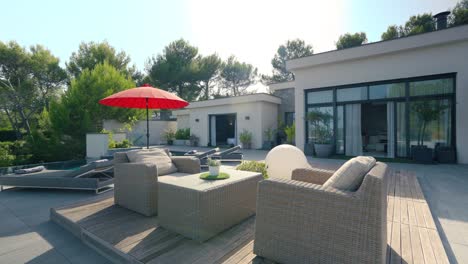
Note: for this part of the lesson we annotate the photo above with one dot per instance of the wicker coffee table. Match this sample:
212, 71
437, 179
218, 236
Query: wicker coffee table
200, 209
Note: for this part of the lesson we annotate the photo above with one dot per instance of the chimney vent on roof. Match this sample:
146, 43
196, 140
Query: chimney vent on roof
441, 20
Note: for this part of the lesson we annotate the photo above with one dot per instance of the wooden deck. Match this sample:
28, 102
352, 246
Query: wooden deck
127, 237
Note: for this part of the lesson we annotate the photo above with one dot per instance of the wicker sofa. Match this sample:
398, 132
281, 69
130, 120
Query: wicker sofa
136, 184
301, 221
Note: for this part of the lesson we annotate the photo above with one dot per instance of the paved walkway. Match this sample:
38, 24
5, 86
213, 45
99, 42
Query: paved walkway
27, 235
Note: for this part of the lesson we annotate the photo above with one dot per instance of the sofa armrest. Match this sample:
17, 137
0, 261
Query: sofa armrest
311, 175
133, 171
187, 164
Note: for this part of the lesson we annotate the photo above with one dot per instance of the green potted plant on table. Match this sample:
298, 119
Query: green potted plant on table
246, 139
426, 112
322, 142
214, 166
169, 135
268, 142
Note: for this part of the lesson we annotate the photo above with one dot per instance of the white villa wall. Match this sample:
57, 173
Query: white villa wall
439, 58
138, 132
183, 121
261, 115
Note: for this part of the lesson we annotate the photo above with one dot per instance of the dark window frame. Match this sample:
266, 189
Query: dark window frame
407, 99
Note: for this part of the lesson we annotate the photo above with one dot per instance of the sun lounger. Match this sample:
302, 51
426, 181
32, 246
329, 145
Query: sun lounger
202, 156
231, 154
96, 176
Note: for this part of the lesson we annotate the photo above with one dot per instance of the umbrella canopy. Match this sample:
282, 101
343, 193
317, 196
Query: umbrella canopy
145, 97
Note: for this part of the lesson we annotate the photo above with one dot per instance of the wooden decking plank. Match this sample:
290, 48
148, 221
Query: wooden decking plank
406, 254
428, 253
428, 216
239, 255
390, 208
411, 213
395, 252
404, 211
389, 241
159, 248
397, 210
438, 247
416, 248
418, 209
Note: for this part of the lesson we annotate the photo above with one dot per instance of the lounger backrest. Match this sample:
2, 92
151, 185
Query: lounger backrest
206, 154
230, 150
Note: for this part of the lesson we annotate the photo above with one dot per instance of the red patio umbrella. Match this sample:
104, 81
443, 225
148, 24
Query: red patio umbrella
145, 97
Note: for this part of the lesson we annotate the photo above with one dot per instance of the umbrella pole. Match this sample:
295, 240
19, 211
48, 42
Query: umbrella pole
147, 125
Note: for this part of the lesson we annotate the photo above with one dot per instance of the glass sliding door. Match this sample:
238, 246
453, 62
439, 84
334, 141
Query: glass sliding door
430, 122
320, 124
340, 130
401, 146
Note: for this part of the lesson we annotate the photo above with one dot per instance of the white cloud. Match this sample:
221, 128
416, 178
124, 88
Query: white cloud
253, 30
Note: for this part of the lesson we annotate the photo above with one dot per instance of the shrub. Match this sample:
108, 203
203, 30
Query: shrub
124, 144
7, 135
254, 166
183, 134
6, 158
245, 137
213, 163
290, 132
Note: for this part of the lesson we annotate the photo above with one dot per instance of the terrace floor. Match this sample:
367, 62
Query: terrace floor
27, 235
127, 237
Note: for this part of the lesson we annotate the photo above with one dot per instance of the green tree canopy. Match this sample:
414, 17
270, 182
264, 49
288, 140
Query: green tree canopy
237, 76
351, 40
177, 70
415, 25
79, 112
459, 14
293, 49
210, 67
91, 54
28, 81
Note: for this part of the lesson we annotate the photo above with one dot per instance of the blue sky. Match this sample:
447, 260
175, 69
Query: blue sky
251, 30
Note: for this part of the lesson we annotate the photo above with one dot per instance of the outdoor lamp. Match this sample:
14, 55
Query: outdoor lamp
283, 159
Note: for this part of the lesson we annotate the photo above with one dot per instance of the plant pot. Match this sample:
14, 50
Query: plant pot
323, 150
194, 143
170, 142
446, 155
246, 145
214, 170
422, 154
309, 149
179, 142
187, 142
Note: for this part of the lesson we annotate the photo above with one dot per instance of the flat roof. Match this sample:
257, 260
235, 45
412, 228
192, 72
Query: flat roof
241, 99
438, 37
281, 85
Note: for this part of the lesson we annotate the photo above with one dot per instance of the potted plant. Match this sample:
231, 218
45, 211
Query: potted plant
169, 135
182, 136
246, 139
268, 143
194, 140
426, 112
214, 166
322, 143
290, 132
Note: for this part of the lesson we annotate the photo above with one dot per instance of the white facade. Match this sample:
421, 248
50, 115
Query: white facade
440, 52
254, 113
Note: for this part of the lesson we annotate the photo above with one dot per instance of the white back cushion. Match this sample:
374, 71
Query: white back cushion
155, 156
349, 176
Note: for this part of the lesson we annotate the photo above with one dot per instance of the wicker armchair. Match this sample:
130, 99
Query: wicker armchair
136, 184
300, 221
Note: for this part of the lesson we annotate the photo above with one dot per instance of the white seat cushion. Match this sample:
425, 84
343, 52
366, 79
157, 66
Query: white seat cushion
155, 156
349, 176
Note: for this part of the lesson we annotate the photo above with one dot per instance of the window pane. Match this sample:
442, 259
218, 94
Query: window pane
440, 86
289, 118
320, 125
430, 122
390, 90
320, 97
340, 130
351, 94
